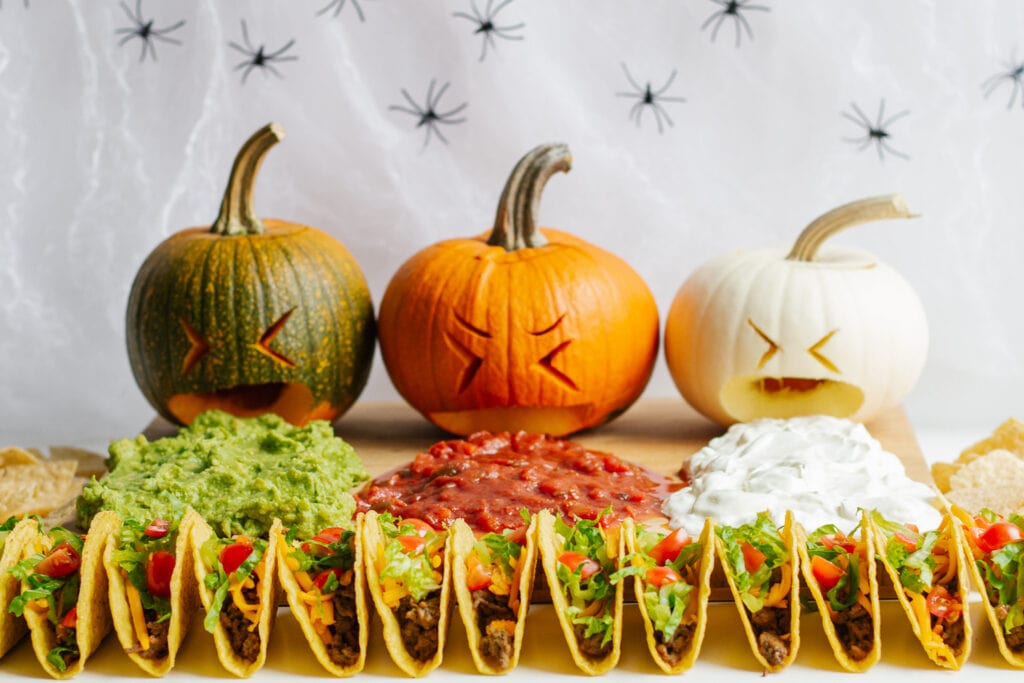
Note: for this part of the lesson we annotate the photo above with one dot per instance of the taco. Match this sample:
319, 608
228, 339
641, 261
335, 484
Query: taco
761, 566
927, 570
64, 594
15, 533
841, 573
996, 545
239, 591
493, 577
324, 581
672, 582
153, 594
407, 570
579, 562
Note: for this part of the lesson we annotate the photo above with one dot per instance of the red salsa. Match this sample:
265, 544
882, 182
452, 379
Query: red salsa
486, 479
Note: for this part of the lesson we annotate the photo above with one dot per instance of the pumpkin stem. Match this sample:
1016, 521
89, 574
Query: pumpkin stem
237, 216
845, 216
515, 226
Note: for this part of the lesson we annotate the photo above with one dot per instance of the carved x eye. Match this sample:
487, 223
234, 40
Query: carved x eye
197, 350
547, 362
773, 348
263, 345
816, 353
473, 361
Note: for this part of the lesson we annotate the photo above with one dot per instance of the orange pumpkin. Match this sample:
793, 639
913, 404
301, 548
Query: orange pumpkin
521, 328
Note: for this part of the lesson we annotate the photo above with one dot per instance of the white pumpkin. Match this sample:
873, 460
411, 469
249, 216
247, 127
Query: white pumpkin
759, 333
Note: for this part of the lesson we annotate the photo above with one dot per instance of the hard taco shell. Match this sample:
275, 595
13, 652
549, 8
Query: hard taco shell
703, 594
789, 540
300, 609
93, 609
269, 595
839, 649
12, 628
463, 540
550, 546
184, 599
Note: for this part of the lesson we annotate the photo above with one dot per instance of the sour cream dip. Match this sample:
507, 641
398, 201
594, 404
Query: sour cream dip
822, 468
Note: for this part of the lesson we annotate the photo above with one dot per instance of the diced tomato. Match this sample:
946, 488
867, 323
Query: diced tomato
998, 535
232, 556
420, 527
941, 604
913, 527
59, 562
838, 540
158, 528
909, 543
70, 619
661, 576
320, 580
752, 557
329, 535
413, 545
478, 575
573, 560
518, 535
667, 549
826, 573
158, 573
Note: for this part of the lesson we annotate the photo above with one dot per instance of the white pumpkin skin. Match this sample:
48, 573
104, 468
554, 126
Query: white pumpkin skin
876, 353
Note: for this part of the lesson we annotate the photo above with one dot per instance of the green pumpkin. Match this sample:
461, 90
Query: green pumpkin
250, 316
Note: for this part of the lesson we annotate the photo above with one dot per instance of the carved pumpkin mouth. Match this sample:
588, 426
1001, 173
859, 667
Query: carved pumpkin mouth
747, 397
553, 420
291, 400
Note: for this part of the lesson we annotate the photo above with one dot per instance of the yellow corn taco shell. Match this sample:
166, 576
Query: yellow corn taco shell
93, 610
915, 605
551, 546
302, 601
790, 601
463, 540
374, 542
698, 602
1014, 657
234, 662
12, 628
126, 610
847, 658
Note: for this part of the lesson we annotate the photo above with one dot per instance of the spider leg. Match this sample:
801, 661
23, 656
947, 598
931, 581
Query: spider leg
463, 15
671, 77
863, 119
635, 111
500, 6
327, 8
488, 14
660, 111
721, 3
894, 117
671, 99
245, 36
165, 39
359, 11
629, 94
488, 40
247, 53
281, 51
629, 77
888, 148
718, 25
138, 12
452, 112
993, 82
503, 31
1013, 95
131, 34
411, 101
432, 102
168, 29
707, 22
881, 113
414, 112
742, 21
249, 66
147, 46
268, 67
763, 8
128, 11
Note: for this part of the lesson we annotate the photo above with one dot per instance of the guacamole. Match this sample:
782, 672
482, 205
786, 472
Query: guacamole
238, 473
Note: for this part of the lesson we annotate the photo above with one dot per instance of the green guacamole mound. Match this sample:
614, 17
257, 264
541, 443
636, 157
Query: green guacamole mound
238, 473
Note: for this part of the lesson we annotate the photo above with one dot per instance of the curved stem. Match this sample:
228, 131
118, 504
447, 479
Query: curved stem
237, 216
845, 216
515, 226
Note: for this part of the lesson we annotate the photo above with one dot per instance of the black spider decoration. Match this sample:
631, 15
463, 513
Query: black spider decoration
257, 58
1014, 73
145, 31
337, 6
732, 9
486, 27
428, 114
877, 132
647, 97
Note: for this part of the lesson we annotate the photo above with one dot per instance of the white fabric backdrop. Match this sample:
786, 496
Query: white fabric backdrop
106, 149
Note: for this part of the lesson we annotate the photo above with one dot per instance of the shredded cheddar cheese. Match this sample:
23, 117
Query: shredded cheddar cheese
778, 593
137, 614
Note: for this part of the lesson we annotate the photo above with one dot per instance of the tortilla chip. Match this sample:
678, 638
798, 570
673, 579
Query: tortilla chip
789, 540
463, 540
93, 611
12, 628
269, 594
184, 600
31, 488
373, 546
1007, 436
1014, 658
839, 649
551, 544
914, 603
706, 565
300, 609
12, 455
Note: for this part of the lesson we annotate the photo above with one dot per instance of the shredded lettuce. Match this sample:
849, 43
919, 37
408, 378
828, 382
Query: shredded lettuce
218, 580
587, 538
134, 551
849, 584
415, 572
1003, 574
915, 568
320, 556
763, 535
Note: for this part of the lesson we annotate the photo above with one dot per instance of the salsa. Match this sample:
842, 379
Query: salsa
487, 479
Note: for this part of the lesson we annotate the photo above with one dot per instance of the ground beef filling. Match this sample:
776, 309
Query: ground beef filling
343, 646
66, 639
591, 647
497, 624
952, 631
244, 643
771, 628
1015, 638
157, 631
678, 645
419, 623
855, 629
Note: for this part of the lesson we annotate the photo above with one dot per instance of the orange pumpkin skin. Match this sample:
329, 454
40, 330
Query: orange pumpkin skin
553, 338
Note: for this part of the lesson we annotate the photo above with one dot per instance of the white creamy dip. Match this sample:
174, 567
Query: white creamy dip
822, 468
